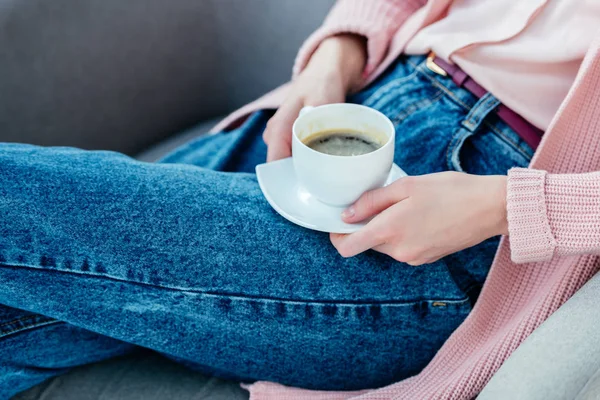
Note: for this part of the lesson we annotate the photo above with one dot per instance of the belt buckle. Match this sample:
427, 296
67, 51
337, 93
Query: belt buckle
430, 63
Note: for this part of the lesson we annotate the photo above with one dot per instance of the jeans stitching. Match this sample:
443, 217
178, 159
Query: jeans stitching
422, 70
456, 99
386, 89
475, 118
247, 296
18, 320
416, 106
29, 327
456, 136
377, 99
508, 139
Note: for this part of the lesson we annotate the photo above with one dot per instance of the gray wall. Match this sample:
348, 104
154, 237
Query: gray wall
122, 74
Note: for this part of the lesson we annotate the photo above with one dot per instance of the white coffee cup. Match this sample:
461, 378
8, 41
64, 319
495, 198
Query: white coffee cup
341, 180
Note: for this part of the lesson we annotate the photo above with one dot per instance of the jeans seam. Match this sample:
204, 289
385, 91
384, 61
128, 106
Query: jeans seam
28, 327
17, 320
420, 69
509, 140
475, 119
451, 146
388, 87
381, 93
468, 108
418, 105
247, 296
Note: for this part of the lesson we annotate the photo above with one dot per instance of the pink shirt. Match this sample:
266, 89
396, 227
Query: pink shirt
526, 52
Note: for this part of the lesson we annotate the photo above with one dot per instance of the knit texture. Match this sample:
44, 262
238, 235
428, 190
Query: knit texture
375, 20
553, 214
531, 236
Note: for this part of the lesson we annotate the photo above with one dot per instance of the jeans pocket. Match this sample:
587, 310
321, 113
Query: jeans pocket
491, 149
384, 92
403, 96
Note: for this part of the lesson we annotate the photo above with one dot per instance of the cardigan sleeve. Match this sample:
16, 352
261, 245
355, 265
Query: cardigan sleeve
552, 214
377, 20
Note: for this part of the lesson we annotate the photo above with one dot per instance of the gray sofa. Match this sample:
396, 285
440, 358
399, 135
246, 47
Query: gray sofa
130, 76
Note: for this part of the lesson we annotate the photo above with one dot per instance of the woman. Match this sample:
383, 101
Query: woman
191, 261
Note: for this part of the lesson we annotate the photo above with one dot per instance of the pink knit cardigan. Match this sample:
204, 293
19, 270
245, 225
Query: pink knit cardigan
553, 217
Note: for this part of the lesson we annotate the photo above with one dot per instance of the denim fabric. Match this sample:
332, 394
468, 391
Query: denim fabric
186, 257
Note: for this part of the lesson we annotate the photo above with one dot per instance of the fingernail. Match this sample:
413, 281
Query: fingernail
348, 212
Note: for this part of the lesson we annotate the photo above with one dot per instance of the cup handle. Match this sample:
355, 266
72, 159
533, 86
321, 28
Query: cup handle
304, 110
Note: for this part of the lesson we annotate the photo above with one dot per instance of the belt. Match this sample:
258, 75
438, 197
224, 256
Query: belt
529, 133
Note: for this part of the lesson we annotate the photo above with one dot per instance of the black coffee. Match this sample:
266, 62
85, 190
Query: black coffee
342, 143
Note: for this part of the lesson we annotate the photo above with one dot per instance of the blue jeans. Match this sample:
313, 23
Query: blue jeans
101, 254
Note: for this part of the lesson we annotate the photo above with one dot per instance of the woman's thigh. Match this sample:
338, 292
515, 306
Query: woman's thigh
442, 127
439, 127
195, 264
239, 150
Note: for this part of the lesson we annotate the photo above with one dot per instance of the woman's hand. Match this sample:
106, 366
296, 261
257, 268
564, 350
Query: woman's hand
421, 219
334, 70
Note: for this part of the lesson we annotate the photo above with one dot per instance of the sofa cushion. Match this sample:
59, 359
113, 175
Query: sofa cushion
591, 390
120, 75
158, 151
560, 360
144, 376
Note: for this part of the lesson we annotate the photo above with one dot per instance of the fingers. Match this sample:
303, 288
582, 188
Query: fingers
372, 235
278, 133
278, 149
375, 201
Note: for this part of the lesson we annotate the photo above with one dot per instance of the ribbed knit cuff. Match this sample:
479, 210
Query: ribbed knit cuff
377, 20
530, 235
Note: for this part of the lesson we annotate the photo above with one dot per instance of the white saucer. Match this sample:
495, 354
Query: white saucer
278, 183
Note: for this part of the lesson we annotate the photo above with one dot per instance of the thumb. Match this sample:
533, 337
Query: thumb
278, 133
373, 202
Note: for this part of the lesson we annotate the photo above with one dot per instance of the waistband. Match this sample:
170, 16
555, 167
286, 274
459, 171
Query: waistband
528, 132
